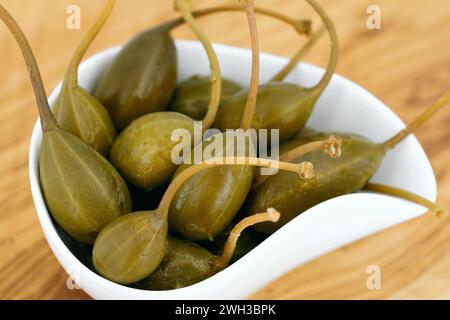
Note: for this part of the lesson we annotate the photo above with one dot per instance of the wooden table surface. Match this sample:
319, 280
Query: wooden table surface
406, 64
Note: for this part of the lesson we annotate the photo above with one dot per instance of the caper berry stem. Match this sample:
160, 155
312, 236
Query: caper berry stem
48, 121
418, 122
223, 260
183, 6
331, 68
331, 146
305, 170
300, 26
72, 73
282, 74
406, 195
249, 111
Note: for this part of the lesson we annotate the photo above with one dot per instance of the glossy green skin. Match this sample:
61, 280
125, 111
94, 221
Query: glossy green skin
207, 203
131, 247
141, 79
280, 105
185, 263
192, 96
142, 152
82, 190
334, 177
81, 114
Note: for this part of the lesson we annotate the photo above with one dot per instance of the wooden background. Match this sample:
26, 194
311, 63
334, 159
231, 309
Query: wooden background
406, 64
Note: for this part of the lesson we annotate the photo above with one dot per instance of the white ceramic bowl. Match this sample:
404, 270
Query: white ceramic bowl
344, 106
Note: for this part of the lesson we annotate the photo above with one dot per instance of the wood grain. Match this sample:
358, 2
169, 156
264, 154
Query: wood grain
406, 64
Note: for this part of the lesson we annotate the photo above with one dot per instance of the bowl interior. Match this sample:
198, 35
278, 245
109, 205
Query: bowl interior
344, 106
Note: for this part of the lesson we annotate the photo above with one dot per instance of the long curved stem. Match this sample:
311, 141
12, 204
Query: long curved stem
331, 68
282, 74
223, 260
48, 121
250, 106
379, 188
417, 123
72, 72
216, 79
331, 146
300, 26
305, 170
